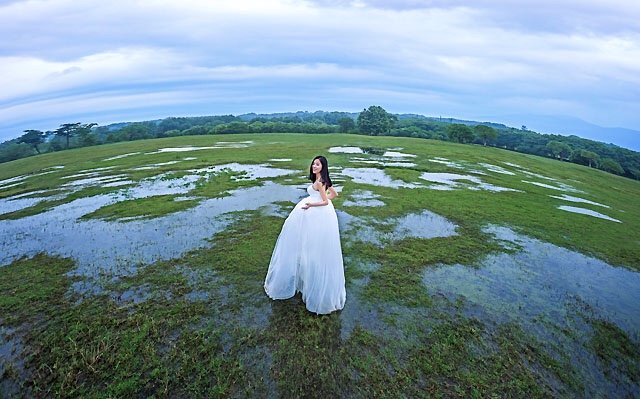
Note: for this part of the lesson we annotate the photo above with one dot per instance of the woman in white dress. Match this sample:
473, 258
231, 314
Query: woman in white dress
307, 257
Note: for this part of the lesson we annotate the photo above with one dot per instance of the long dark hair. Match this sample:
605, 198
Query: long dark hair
324, 173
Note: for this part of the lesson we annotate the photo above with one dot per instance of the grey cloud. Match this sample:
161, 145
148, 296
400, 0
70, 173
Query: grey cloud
450, 57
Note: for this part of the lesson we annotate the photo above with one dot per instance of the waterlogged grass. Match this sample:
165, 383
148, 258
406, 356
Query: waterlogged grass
200, 325
616, 350
29, 286
227, 343
399, 276
148, 207
48, 204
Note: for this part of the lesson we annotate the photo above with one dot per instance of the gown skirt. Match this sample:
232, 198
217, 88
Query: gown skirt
307, 258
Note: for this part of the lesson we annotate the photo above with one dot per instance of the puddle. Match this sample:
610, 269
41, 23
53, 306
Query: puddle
79, 175
447, 162
364, 198
119, 248
11, 359
180, 149
13, 181
155, 165
88, 287
122, 156
135, 294
566, 197
218, 145
8, 205
159, 185
589, 212
396, 154
551, 293
515, 165
534, 283
560, 187
97, 169
346, 150
25, 200
497, 169
449, 181
384, 163
12, 185
234, 144
375, 177
539, 176
18, 180
94, 181
423, 225
445, 181
252, 172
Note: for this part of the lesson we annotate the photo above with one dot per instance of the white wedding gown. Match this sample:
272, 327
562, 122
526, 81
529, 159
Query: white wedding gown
308, 258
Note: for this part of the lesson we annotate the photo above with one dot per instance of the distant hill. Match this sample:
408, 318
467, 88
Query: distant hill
561, 125
568, 126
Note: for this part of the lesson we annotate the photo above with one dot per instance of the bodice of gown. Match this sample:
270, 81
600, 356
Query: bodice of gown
312, 192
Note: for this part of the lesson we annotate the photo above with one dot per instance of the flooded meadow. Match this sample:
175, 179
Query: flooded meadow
470, 272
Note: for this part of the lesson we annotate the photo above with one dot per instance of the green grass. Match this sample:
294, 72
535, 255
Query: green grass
138, 208
617, 351
206, 329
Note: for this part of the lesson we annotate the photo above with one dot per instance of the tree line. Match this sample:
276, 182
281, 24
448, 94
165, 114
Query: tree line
373, 120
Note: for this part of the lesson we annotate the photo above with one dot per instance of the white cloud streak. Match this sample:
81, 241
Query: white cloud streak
62, 58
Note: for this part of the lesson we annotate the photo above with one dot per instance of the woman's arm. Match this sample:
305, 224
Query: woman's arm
332, 193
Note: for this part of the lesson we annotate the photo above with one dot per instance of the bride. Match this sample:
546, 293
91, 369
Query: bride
307, 257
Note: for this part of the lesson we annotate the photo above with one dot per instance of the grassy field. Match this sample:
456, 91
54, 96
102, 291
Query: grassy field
199, 324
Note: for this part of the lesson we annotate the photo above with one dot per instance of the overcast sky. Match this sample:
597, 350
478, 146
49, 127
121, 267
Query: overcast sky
64, 61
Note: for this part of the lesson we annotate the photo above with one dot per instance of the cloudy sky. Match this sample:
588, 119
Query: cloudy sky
64, 61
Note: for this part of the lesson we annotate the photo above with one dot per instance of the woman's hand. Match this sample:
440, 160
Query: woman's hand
306, 206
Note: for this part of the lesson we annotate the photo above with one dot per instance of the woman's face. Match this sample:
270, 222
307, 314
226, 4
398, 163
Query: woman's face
316, 166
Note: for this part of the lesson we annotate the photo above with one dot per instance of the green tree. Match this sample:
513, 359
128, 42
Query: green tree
375, 121
611, 166
135, 131
233, 128
346, 125
585, 157
485, 132
32, 137
559, 149
68, 130
87, 138
13, 151
460, 133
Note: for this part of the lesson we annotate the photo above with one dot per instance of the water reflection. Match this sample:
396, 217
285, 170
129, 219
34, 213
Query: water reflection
570, 198
364, 198
162, 184
450, 181
588, 212
121, 156
345, 150
119, 248
415, 225
376, 177
559, 187
218, 145
534, 283
384, 163
497, 169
